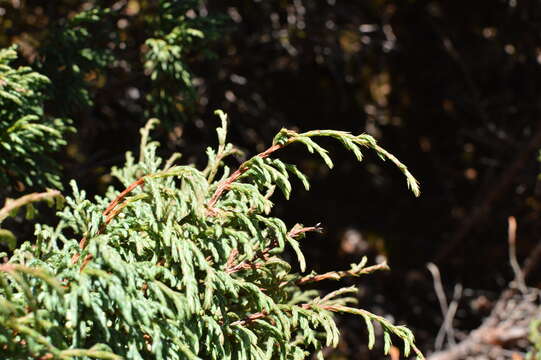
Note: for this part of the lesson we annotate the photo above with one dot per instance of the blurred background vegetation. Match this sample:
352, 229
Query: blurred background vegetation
451, 87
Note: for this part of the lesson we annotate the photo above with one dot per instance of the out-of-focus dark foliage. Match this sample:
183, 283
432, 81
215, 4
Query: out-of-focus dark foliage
112, 64
451, 86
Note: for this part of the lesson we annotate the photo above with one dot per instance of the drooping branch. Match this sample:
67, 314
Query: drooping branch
32, 271
286, 137
337, 308
12, 205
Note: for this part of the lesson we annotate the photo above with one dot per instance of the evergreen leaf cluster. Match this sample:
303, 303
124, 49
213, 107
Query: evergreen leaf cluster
75, 56
182, 264
177, 31
27, 135
136, 47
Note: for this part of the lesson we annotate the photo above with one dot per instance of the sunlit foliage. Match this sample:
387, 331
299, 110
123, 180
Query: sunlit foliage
183, 264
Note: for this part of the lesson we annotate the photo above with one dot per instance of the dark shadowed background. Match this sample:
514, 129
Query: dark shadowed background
452, 88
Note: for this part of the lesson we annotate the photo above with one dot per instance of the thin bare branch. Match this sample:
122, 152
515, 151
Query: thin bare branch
337, 275
12, 204
512, 240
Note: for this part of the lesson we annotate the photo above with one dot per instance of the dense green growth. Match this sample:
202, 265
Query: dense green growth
452, 92
27, 136
183, 264
145, 51
176, 31
75, 55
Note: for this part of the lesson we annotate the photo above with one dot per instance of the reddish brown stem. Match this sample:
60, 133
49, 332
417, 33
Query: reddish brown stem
263, 254
12, 205
248, 264
250, 318
260, 315
7, 267
110, 212
123, 194
296, 231
224, 185
231, 259
337, 275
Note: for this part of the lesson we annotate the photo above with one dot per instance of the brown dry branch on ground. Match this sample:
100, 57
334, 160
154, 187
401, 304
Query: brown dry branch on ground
504, 333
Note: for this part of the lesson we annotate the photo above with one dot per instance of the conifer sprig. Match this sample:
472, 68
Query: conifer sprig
27, 136
286, 137
179, 265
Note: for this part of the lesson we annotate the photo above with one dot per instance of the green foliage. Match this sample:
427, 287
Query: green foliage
75, 50
178, 31
535, 339
27, 136
183, 264
180, 266
81, 53
535, 324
